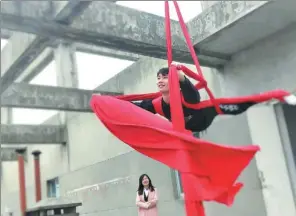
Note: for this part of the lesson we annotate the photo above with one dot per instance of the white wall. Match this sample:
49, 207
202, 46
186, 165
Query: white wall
271, 162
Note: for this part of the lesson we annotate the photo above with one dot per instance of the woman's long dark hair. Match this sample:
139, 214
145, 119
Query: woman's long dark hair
141, 186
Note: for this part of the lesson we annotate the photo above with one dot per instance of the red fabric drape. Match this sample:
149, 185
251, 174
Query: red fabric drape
210, 169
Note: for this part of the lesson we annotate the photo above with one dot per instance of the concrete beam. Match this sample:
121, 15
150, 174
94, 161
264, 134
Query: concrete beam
229, 27
218, 17
22, 49
9, 154
32, 134
6, 116
109, 25
5, 34
104, 51
24, 95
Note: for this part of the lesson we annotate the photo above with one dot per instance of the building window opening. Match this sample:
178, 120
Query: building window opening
53, 188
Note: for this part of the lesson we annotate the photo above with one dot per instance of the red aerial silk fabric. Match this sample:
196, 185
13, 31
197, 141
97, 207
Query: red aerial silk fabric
208, 171
211, 169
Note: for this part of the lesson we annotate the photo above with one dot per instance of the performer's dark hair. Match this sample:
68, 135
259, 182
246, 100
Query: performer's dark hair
141, 186
163, 71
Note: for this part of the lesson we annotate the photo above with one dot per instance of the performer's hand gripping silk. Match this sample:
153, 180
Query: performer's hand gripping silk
208, 171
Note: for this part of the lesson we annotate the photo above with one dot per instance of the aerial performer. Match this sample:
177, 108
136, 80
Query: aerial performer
208, 171
197, 120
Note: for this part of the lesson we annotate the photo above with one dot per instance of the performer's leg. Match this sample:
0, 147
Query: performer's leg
290, 99
203, 118
235, 109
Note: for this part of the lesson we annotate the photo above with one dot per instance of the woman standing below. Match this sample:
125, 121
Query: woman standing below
146, 197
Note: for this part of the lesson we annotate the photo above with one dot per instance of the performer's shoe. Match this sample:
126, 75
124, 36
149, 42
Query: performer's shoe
290, 99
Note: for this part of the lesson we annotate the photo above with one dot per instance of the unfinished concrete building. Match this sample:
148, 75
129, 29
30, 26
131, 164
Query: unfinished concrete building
245, 47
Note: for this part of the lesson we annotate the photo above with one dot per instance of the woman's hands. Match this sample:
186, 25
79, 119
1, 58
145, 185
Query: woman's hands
148, 205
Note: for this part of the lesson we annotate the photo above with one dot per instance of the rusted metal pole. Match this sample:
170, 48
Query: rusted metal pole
22, 180
37, 175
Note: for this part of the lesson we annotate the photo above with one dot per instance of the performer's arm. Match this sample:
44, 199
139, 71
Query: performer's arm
190, 93
146, 105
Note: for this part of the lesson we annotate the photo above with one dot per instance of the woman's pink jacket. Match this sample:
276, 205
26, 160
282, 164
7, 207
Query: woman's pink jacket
142, 205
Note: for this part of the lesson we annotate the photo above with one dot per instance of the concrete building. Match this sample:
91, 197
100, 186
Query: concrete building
250, 47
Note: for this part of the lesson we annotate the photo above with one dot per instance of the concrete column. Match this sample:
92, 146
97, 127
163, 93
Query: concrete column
67, 76
271, 162
66, 66
38, 190
6, 115
287, 126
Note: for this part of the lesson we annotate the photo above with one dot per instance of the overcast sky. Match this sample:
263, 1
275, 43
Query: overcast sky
89, 76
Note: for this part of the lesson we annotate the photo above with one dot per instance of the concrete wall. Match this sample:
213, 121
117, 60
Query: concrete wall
268, 64
235, 131
116, 196
271, 162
